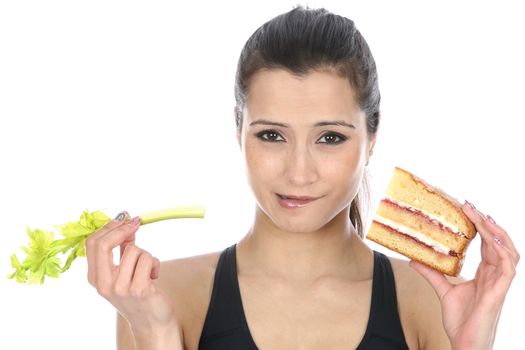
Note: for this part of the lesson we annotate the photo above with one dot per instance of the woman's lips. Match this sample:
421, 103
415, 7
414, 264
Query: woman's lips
294, 201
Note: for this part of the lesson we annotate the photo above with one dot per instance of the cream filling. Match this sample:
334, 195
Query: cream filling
438, 218
439, 247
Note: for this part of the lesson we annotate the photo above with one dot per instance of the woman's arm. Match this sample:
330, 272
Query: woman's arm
434, 336
420, 309
168, 339
125, 340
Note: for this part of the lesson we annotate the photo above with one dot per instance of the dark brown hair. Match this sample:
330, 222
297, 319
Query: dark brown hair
304, 40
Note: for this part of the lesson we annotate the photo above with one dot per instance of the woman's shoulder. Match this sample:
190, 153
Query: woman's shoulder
418, 304
409, 281
190, 265
188, 283
188, 276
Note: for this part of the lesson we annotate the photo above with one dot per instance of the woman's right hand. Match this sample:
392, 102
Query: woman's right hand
132, 285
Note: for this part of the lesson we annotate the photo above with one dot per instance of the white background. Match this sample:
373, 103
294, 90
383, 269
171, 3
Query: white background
129, 105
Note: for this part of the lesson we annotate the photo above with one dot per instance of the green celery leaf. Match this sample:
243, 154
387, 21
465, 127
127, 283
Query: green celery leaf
42, 250
88, 223
41, 259
39, 247
65, 244
49, 266
82, 247
20, 271
72, 256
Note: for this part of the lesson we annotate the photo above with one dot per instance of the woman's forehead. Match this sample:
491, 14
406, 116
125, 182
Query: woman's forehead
319, 95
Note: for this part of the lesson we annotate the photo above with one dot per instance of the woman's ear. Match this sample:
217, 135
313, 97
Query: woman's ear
371, 149
372, 145
239, 138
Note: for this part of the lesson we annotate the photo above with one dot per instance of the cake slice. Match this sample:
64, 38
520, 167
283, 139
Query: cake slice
423, 223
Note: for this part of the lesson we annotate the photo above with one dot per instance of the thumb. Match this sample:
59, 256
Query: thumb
438, 281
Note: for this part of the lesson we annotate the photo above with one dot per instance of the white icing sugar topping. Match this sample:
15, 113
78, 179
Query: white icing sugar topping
439, 247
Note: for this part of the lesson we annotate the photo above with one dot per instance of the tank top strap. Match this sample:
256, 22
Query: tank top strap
225, 325
384, 324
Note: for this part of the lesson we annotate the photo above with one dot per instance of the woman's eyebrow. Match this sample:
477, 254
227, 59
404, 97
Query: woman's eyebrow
322, 123
335, 122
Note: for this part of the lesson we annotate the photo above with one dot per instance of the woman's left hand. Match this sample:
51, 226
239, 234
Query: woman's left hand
471, 309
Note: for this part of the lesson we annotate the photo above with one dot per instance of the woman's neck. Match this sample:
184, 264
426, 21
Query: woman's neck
335, 250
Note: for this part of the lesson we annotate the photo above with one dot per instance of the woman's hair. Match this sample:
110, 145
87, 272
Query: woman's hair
303, 40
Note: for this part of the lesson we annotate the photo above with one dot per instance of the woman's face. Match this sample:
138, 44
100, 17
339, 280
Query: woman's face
293, 147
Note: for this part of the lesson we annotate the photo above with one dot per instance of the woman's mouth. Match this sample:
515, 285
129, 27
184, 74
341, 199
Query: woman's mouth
294, 201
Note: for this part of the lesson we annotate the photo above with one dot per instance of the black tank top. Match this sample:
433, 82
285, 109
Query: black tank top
225, 326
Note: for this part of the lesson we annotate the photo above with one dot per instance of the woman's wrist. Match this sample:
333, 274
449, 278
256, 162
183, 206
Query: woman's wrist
159, 338
474, 344
481, 336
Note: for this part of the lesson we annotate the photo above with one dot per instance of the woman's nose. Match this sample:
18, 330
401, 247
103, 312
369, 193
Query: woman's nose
301, 169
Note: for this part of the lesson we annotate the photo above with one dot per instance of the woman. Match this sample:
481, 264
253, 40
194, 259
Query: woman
307, 114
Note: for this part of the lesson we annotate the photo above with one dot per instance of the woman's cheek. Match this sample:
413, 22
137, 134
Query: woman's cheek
342, 164
262, 162
345, 173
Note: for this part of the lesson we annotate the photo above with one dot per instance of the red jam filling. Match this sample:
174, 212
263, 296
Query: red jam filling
427, 218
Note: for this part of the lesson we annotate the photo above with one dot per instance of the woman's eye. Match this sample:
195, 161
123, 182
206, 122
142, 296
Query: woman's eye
331, 138
273, 136
269, 135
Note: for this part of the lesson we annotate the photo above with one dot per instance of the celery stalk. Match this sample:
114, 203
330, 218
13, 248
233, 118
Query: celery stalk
42, 250
173, 213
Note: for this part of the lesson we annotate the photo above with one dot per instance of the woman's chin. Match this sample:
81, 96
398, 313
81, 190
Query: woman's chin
298, 229
304, 223
297, 224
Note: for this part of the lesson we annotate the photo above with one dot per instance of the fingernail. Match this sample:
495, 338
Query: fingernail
498, 241
481, 214
491, 219
135, 221
470, 204
120, 216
